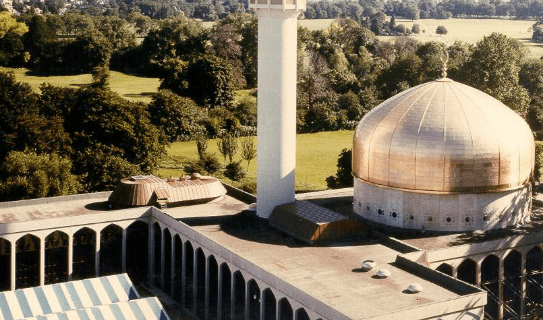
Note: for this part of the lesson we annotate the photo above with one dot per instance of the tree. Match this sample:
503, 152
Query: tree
228, 146
441, 30
27, 175
494, 68
179, 117
343, 177
415, 28
89, 50
211, 82
248, 150
8, 25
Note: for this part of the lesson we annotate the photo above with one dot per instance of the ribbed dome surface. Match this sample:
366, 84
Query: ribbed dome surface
444, 136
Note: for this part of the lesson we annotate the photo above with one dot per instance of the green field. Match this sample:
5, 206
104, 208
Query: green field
127, 86
473, 30
316, 158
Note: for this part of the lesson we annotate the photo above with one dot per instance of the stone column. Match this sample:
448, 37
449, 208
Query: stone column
70, 257
42, 262
162, 260
173, 275
194, 280
13, 264
151, 258
262, 305
247, 300
522, 283
97, 254
501, 277
183, 273
124, 251
232, 296
219, 293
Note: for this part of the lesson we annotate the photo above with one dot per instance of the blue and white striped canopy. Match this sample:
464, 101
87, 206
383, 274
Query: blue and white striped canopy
140, 309
60, 297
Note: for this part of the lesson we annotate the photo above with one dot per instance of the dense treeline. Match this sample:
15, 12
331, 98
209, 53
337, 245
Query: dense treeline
343, 72
361, 10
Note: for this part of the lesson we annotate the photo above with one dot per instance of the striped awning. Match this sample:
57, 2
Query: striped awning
140, 309
60, 297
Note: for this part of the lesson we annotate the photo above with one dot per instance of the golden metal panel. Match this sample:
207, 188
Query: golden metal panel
443, 136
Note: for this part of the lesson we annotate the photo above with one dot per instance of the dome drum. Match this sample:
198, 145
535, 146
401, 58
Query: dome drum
444, 140
403, 208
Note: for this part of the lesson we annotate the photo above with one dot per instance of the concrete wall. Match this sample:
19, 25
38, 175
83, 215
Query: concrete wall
442, 212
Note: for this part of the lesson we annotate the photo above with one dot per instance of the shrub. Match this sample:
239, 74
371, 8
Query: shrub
343, 178
234, 171
441, 30
209, 163
415, 28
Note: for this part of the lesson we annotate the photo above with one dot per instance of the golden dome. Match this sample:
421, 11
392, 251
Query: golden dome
444, 137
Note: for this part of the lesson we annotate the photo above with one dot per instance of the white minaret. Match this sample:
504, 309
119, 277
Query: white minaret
276, 158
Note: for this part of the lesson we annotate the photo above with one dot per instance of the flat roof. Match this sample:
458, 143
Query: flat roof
330, 273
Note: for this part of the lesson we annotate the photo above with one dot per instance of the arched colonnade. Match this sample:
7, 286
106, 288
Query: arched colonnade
513, 279
203, 282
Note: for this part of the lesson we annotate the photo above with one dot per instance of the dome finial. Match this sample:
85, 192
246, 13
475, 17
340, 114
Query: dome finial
444, 67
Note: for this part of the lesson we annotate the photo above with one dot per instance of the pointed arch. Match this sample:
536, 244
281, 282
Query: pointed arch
111, 248
5, 264
189, 274
178, 268
200, 282
301, 314
446, 269
137, 251
157, 245
84, 257
467, 271
239, 295
490, 281
167, 261
213, 286
254, 299
27, 261
534, 275
285, 310
226, 280
56, 257
270, 305
512, 284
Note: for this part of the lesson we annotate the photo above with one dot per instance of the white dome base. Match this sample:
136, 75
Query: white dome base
442, 212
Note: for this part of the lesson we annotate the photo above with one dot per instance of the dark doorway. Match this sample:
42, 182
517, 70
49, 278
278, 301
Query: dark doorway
27, 262
239, 296
5, 265
178, 268
285, 310
137, 253
226, 280
467, 271
157, 239
269, 305
167, 261
111, 250
84, 254
512, 285
56, 257
189, 274
213, 286
200, 282
490, 281
446, 269
301, 314
534, 275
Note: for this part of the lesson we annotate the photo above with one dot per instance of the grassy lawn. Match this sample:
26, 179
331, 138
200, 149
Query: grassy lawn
473, 30
127, 86
316, 158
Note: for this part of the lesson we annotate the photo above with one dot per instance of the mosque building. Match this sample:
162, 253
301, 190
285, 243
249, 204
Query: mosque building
440, 223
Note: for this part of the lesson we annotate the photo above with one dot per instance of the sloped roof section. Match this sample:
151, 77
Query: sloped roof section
148, 190
309, 222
